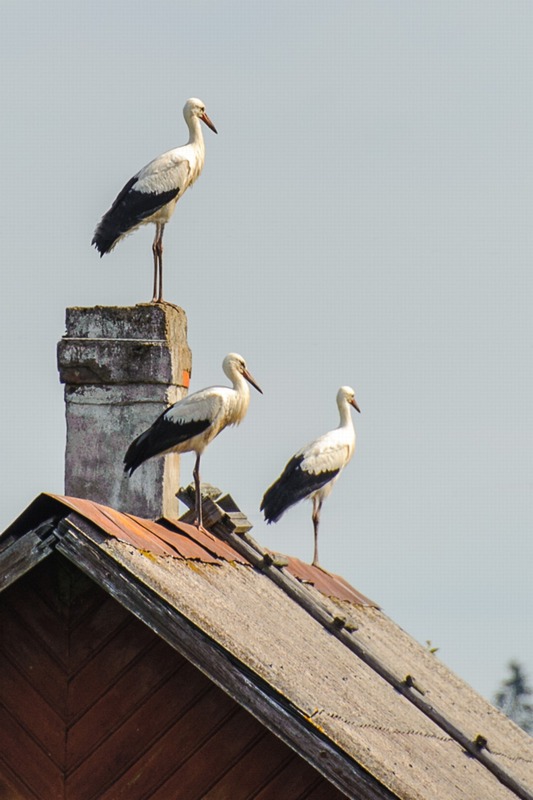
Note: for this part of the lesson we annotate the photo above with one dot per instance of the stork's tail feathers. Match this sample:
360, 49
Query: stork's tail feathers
138, 452
105, 237
274, 504
285, 492
161, 437
130, 208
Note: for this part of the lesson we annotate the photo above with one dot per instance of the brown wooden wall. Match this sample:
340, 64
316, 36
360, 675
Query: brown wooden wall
94, 706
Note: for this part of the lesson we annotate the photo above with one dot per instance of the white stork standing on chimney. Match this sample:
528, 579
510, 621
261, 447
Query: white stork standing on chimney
313, 470
151, 195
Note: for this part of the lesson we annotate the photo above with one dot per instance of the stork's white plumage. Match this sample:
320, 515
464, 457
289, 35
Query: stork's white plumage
192, 423
151, 195
313, 470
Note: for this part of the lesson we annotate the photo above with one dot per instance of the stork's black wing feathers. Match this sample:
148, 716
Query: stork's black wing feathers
294, 484
129, 208
160, 437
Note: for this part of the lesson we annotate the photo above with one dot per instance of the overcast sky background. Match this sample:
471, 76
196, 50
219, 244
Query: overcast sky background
364, 217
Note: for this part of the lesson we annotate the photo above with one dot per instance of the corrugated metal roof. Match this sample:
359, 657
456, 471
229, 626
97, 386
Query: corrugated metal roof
181, 540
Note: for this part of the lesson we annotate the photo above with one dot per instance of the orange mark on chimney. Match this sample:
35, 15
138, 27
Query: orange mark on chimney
185, 378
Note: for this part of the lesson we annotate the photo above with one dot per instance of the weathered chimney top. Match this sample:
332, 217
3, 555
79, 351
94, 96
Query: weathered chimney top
121, 366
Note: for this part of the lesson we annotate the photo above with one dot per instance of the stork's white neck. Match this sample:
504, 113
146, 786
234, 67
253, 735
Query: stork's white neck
346, 420
196, 136
242, 395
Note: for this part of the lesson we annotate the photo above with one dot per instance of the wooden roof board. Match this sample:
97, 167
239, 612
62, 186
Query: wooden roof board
262, 628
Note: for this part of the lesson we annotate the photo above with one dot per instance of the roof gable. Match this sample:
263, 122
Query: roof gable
351, 709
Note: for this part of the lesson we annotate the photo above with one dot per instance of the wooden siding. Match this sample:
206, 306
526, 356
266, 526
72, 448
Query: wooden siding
94, 705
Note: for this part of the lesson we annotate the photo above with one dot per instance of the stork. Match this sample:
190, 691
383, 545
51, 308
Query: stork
192, 423
151, 195
313, 470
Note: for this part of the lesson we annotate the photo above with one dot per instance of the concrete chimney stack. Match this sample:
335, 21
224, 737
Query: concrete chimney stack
121, 368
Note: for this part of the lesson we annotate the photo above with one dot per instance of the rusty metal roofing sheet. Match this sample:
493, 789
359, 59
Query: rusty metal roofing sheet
141, 533
208, 541
178, 542
178, 539
326, 582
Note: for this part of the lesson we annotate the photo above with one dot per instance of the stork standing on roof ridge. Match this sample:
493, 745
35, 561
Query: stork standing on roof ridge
313, 470
151, 195
192, 423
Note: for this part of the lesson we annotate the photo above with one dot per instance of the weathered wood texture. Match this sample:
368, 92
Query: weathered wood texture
95, 706
121, 368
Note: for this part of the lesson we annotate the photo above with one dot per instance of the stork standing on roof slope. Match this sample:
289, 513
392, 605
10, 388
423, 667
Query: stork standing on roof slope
151, 195
313, 470
192, 423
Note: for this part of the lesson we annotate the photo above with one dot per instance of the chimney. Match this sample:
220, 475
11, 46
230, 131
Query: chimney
121, 368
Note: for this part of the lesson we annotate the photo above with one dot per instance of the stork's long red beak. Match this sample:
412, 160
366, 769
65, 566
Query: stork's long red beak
249, 378
354, 404
208, 122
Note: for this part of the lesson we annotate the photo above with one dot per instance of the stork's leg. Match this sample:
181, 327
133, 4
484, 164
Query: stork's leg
154, 251
317, 505
160, 295
198, 488
157, 249
198, 516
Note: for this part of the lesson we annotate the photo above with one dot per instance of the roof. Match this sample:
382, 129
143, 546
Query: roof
316, 662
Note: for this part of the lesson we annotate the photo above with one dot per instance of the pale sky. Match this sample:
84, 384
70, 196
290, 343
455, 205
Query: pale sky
364, 217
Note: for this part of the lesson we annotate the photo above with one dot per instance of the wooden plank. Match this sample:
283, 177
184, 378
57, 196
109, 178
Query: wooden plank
233, 677
121, 700
12, 787
224, 748
96, 632
321, 792
254, 770
32, 712
91, 682
67, 590
44, 673
173, 724
20, 557
294, 781
26, 758
43, 622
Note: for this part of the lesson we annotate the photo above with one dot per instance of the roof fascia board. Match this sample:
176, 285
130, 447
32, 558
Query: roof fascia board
25, 553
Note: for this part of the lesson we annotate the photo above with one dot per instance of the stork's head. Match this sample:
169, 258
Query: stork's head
347, 395
195, 108
234, 365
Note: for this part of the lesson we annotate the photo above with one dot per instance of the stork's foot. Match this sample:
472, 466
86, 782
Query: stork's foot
201, 528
